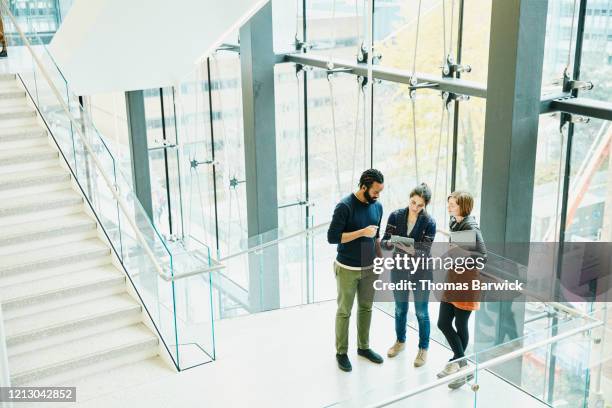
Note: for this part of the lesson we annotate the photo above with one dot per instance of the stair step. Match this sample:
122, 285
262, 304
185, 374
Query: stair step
26, 155
30, 178
19, 133
31, 231
82, 353
49, 257
12, 94
18, 113
7, 76
35, 202
70, 318
124, 377
47, 290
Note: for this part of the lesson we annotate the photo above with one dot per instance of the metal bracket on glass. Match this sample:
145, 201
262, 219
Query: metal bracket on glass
301, 67
363, 54
302, 46
234, 182
363, 81
569, 118
194, 163
172, 238
331, 70
450, 68
164, 145
229, 47
570, 85
578, 85
449, 97
299, 202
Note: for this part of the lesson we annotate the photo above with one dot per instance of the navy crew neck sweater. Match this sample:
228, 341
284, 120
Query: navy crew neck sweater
351, 215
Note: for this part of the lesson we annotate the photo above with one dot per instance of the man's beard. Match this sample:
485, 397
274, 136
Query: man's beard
368, 197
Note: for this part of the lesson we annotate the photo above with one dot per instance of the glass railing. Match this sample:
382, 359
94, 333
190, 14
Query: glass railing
152, 263
543, 368
276, 270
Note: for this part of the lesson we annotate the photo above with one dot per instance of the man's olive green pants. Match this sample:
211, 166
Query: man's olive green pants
351, 282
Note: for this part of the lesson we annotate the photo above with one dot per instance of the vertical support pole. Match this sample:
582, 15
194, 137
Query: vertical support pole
257, 61
166, 169
211, 119
139, 150
310, 295
5, 379
516, 50
565, 192
453, 182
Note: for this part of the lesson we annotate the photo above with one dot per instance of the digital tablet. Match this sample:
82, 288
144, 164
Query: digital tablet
467, 237
395, 239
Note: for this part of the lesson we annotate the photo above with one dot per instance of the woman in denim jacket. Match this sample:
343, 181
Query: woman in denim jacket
412, 222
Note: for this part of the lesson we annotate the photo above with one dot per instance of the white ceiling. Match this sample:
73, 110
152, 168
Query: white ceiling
118, 45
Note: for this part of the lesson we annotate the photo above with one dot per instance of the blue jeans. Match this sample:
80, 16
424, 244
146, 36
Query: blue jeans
421, 303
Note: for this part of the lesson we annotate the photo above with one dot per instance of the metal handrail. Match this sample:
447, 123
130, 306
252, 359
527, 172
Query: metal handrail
112, 187
274, 242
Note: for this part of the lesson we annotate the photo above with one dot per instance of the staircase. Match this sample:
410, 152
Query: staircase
66, 307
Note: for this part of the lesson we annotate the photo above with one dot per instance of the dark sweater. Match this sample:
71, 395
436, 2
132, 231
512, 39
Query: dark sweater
351, 215
466, 224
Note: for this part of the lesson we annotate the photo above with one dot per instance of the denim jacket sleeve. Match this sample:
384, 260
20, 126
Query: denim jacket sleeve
424, 247
389, 230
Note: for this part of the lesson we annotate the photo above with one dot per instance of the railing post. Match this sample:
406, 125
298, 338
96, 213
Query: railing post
5, 379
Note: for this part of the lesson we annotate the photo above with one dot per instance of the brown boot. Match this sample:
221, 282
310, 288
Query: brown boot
395, 349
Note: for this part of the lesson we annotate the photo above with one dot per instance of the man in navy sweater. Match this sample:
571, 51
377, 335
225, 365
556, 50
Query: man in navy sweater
354, 227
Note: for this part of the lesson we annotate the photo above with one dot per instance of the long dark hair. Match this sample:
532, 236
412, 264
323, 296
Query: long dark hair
423, 191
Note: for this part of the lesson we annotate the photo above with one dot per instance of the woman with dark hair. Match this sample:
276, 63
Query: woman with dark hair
412, 222
456, 306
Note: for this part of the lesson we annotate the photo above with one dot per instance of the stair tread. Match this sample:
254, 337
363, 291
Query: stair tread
57, 223
68, 314
26, 200
22, 130
24, 258
12, 91
18, 109
55, 283
75, 350
23, 176
27, 155
26, 151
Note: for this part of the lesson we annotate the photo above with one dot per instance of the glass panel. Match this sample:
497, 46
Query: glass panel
335, 27
395, 30
559, 44
276, 271
589, 183
338, 142
396, 119
596, 64
476, 35
548, 179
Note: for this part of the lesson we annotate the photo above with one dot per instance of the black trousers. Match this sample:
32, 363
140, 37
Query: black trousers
459, 335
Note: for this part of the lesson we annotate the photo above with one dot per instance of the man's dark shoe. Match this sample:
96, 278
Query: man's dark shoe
370, 355
3, 54
343, 362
